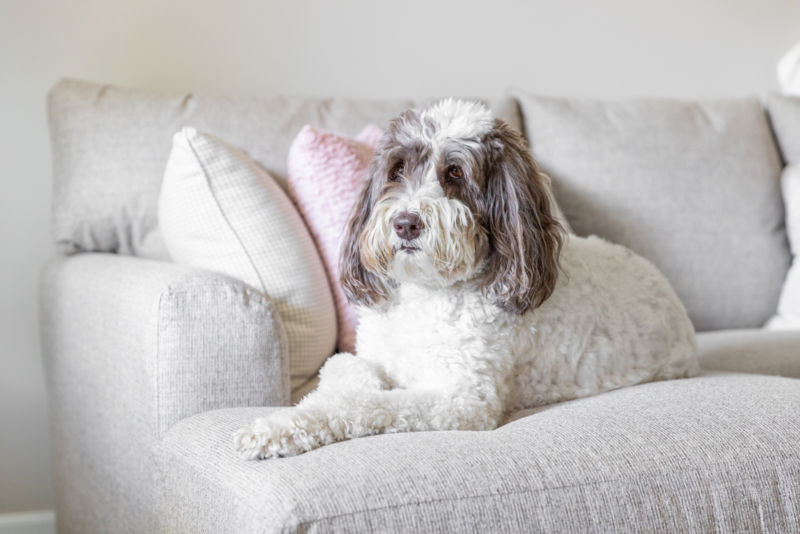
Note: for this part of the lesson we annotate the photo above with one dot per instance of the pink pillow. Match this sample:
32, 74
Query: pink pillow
325, 175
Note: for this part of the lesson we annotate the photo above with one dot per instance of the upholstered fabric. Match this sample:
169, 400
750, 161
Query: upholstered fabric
689, 455
691, 186
220, 211
751, 351
326, 172
110, 146
132, 346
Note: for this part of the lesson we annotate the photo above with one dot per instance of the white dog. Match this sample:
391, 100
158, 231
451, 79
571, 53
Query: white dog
473, 302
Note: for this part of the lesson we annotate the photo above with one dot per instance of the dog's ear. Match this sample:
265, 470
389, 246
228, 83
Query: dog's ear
525, 237
361, 286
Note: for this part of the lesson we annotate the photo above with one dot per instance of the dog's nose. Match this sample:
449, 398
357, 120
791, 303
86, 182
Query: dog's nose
407, 225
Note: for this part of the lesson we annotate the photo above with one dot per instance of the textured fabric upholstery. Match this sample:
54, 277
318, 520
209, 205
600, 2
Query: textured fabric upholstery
132, 346
751, 351
691, 186
689, 455
110, 146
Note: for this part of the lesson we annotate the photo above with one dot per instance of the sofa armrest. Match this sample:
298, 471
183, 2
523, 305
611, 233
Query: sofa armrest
132, 346
179, 341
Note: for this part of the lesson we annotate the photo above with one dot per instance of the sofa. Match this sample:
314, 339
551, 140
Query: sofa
152, 366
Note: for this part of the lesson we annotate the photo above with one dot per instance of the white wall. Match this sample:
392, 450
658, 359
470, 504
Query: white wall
614, 48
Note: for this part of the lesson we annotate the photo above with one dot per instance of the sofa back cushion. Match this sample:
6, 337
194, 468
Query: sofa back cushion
110, 146
691, 186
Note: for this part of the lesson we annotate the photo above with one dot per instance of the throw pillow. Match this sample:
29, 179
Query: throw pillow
219, 210
326, 172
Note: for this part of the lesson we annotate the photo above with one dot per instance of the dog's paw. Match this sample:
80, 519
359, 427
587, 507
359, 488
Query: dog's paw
281, 434
253, 445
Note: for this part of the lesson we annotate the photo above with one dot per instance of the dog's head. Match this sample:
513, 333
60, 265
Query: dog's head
453, 195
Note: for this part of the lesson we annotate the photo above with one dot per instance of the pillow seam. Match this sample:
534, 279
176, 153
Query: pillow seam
228, 223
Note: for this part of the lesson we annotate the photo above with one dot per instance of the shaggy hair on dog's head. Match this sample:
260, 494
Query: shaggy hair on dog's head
483, 207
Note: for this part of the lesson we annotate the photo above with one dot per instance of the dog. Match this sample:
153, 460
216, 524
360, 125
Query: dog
474, 302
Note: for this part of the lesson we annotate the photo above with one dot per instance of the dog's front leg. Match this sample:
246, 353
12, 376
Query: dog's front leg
355, 414
292, 431
327, 416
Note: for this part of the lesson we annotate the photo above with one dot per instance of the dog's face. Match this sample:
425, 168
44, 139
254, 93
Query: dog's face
453, 195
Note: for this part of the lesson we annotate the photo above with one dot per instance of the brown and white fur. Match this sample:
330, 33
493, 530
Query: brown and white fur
474, 303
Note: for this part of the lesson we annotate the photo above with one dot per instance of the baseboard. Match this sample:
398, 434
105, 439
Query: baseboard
43, 522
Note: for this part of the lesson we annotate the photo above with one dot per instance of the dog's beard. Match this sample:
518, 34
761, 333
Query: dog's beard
417, 266
451, 248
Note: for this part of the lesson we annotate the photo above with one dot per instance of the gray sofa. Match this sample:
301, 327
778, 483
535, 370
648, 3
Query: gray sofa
152, 366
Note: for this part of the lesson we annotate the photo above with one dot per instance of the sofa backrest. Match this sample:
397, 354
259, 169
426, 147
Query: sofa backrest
110, 147
693, 186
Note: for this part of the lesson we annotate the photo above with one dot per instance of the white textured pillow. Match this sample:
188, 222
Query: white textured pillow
219, 210
788, 316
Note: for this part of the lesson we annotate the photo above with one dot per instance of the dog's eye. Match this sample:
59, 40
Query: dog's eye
454, 173
396, 172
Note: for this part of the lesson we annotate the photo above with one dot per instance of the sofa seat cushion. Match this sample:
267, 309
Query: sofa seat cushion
769, 352
712, 453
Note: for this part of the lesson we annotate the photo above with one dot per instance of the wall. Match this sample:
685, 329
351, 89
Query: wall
615, 48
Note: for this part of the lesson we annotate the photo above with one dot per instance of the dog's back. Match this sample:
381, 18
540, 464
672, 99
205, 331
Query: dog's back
612, 321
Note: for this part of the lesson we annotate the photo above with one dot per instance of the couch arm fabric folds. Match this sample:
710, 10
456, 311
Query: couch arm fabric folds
206, 340
131, 347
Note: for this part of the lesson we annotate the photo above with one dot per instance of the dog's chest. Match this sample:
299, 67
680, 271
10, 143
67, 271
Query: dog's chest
427, 335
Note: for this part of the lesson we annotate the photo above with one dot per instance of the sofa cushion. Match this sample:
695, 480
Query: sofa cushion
655, 457
220, 211
751, 351
691, 186
110, 146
